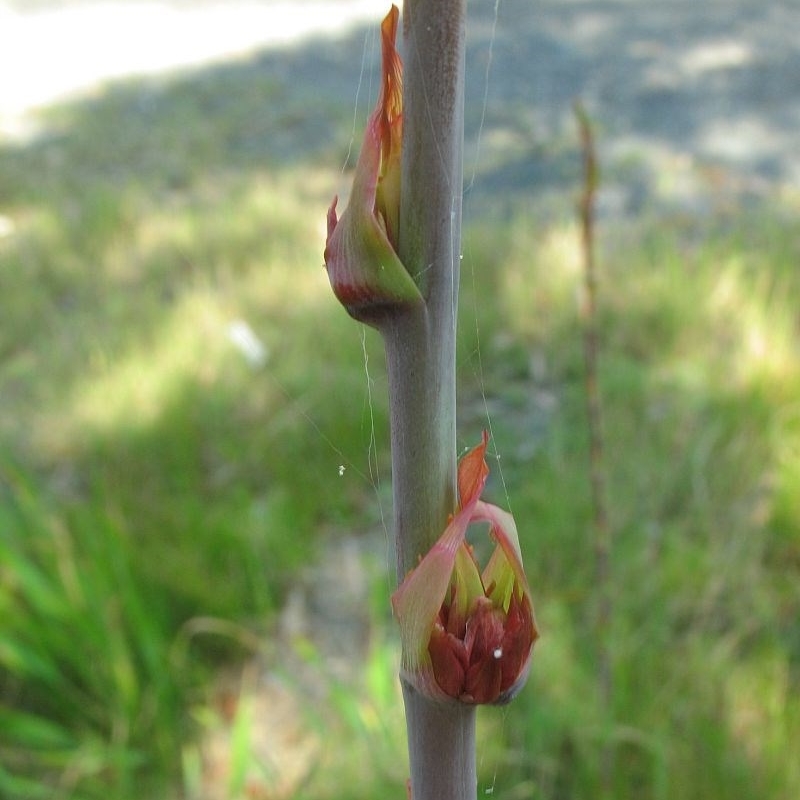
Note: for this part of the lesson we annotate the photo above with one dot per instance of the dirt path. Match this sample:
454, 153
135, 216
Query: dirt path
693, 100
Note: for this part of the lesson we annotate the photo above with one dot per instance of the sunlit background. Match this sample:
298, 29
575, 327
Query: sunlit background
54, 50
195, 488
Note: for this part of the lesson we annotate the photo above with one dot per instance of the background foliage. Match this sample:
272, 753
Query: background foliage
192, 545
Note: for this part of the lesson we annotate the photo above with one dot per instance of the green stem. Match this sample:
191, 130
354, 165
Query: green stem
420, 353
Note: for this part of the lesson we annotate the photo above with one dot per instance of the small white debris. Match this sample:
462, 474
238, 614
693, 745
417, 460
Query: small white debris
498, 652
6, 226
341, 469
244, 339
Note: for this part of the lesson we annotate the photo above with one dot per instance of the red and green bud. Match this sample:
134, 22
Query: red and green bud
468, 634
364, 269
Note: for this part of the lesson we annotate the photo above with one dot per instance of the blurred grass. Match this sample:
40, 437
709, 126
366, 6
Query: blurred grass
153, 477
700, 383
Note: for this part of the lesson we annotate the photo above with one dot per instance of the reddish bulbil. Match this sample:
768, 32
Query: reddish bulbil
468, 635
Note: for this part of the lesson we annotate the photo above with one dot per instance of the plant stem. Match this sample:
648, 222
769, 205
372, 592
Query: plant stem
600, 521
420, 353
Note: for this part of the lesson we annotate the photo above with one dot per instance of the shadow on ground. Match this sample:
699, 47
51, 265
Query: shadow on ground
704, 94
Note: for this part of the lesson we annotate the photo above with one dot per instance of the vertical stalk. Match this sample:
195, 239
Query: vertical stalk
600, 521
420, 352
423, 393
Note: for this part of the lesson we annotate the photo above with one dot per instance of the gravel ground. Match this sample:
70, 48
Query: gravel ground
693, 101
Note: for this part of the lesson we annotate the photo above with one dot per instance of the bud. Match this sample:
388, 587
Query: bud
467, 634
364, 269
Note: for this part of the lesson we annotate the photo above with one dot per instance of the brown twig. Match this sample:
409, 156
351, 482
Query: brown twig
600, 520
